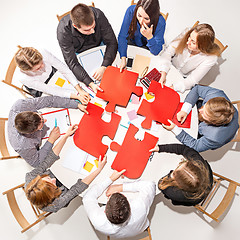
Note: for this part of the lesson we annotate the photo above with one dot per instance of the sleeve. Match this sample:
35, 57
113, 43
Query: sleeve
65, 40
196, 75
123, 34
155, 44
200, 144
90, 202
41, 168
61, 67
146, 189
180, 149
67, 197
109, 39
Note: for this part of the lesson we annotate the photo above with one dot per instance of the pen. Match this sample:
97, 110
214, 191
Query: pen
55, 122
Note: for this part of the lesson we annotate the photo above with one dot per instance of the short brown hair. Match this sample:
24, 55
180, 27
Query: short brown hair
117, 209
81, 14
27, 122
205, 40
41, 193
28, 57
221, 111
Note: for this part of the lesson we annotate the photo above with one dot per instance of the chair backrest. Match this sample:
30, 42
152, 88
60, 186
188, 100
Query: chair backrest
148, 237
9, 77
3, 145
22, 221
222, 47
237, 137
226, 200
59, 17
165, 16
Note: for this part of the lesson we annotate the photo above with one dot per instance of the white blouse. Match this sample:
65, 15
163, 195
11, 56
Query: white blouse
193, 68
36, 80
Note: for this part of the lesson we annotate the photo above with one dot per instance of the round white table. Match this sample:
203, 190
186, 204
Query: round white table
160, 164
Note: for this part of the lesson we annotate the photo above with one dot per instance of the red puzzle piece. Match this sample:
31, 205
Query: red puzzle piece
162, 108
133, 155
91, 130
118, 87
187, 122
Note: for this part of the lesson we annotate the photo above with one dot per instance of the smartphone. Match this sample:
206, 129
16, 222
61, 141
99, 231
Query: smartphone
129, 62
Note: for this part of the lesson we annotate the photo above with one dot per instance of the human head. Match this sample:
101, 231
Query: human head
190, 176
41, 192
117, 209
217, 111
83, 19
28, 122
29, 59
151, 8
203, 36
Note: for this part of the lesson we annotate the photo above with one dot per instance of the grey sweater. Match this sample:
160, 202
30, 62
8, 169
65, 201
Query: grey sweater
67, 194
28, 145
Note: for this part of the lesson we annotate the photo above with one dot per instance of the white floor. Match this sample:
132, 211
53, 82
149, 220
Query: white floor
33, 23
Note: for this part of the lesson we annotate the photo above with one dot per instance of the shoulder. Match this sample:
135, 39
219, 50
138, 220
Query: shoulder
65, 24
161, 21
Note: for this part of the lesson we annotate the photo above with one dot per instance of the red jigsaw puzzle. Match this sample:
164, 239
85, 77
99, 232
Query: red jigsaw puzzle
118, 87
133, 155
162, 108
187, 122
91, 130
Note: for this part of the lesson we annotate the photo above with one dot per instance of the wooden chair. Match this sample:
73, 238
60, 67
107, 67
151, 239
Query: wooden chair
40, 215
63, 15
149, 237
9, 77
226, 200
222, 47
165, 16
3, 146
237, 137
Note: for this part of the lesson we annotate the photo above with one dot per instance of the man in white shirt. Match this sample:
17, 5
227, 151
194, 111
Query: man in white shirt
120, 217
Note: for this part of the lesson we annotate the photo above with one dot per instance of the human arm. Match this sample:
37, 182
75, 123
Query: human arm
99, 73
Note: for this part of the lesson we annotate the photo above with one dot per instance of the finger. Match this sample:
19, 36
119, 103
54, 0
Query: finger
123, 171
145, 25
98, 88
100, 157
152, 150
170, 121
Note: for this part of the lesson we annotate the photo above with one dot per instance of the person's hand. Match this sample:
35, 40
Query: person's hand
181, 116
54, 135
123, 63
83, 108
113, 189
99, 73
95, 87
155, 149
83, 97
102, 162
146, 31
71, 130
163, 78
116, 175
169, 128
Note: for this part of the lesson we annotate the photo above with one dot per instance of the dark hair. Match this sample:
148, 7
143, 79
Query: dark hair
192, 178
27, 122
205, 40
82, 14
152, 8
117, 209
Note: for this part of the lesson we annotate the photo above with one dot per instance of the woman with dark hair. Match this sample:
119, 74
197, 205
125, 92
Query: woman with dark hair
142, 26
191, 181
193, 53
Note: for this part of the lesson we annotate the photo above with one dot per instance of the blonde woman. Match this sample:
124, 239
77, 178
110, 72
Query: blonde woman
45, 191
38, 66
193, 53
191, 181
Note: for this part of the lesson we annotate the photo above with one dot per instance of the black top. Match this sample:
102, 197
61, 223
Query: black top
177, 195
72, 41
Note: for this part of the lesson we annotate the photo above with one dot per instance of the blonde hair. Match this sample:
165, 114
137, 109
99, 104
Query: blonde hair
205, 40
192, 178
28, 57
220, 111
41, 193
